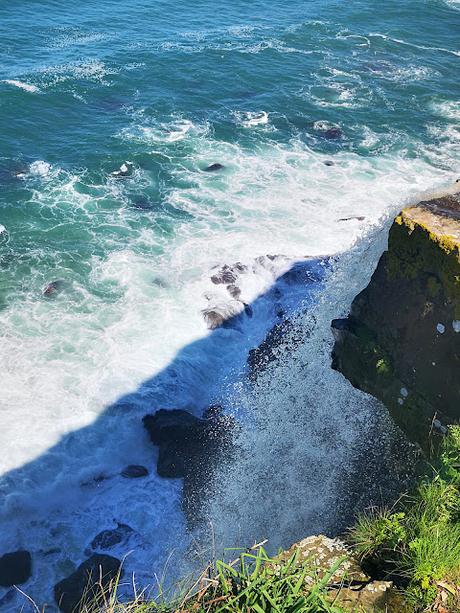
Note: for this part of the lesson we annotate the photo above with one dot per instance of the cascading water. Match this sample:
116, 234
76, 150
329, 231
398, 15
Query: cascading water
111, 228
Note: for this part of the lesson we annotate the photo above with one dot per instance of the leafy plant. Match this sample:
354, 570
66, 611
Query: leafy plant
253, 583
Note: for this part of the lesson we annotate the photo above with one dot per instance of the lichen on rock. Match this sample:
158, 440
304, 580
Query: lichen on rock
349, 587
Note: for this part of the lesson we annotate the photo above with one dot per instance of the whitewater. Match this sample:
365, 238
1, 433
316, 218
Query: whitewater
325, 123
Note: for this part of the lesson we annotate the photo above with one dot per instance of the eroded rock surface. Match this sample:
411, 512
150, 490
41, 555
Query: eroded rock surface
348, 587
401, 341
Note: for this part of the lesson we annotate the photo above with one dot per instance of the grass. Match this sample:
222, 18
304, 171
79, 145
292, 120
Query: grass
253, 583
417, 542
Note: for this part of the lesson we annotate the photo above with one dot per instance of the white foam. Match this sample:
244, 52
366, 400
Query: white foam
250, 119
69, 357
39, 168
27, 87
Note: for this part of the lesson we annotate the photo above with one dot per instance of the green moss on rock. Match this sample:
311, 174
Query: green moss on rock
400, 341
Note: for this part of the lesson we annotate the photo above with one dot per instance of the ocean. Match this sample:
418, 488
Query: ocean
325, 117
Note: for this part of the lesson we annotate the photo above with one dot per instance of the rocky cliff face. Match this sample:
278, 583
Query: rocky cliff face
401, 341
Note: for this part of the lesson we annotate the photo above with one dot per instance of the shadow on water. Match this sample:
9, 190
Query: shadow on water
55, 504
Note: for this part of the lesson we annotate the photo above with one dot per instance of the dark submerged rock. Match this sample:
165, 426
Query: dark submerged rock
328, 163
7, 598
134, 471
109, 538
214, 167
85, 583
142, 202
333, 133
124, 172
15, 568
53, 288
94, 481
190, 448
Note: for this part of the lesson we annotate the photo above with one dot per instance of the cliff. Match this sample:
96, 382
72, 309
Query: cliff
401, 340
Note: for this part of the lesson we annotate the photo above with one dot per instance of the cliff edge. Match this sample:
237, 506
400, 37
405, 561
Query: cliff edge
401, 341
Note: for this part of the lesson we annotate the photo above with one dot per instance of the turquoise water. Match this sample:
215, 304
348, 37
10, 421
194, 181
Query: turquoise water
166, 89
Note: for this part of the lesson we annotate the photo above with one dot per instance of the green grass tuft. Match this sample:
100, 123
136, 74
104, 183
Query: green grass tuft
417, 543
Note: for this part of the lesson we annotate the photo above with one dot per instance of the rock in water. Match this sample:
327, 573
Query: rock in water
109, 538
267, 352
134, 471
333, 133
126, 170
214, 167
53, 288
228, 274
15, 568
86, 582
190, 448
399, 341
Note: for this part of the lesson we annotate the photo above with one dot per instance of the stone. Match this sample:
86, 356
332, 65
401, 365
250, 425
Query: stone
395, 333
86, 582
109, 538
15, 568
53, 288
234, 291
214, 167
126, 170
349, 587
228, 273
328, 163
134, 471
190, 448
333, 133
171, 426
328, 130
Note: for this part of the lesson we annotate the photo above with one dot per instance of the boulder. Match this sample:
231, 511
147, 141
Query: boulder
53, 288
87, 582
333, 133
228, 273
214, 167
134, 471
182, 438
191, 448
349, 588
15, 568
401, 340
109, 538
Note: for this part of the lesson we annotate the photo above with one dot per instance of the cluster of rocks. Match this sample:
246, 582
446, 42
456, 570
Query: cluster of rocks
228, 304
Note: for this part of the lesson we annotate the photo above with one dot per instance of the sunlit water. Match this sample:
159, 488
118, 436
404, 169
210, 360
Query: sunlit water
168, 88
